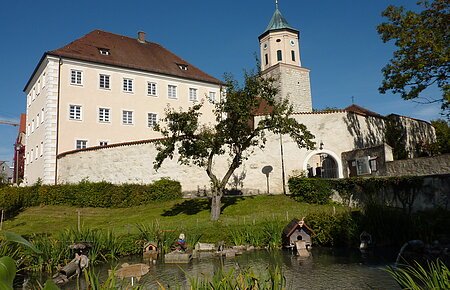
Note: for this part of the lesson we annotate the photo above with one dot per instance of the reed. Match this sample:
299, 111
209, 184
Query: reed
154, 232
264, 234
52, 254
435, 275
240, 279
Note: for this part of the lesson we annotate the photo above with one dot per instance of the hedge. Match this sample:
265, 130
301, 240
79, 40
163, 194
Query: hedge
87, 194
319, 191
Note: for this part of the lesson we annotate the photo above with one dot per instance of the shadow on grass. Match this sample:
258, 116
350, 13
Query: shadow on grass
189, 207
194, 206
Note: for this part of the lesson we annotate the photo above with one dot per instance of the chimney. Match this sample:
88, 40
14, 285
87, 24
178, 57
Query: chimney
141, 36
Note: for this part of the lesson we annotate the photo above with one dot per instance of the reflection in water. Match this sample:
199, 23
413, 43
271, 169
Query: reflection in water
325, 269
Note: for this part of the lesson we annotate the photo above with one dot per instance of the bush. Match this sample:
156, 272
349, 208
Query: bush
87, 194
310, 190
334, 229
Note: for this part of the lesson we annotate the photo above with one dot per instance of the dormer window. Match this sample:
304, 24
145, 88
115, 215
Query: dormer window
182, 66
104, 51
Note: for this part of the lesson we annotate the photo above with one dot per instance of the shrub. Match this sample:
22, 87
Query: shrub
310, 190
334, 229
87, 194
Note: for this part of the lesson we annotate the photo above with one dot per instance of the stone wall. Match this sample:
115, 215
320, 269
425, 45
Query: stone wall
419, 166
132, 162
381, 154
434, 192
294, 83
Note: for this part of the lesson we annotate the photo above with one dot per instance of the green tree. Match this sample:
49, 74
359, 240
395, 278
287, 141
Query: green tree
395, 136
442, 129
422, 56
235, 133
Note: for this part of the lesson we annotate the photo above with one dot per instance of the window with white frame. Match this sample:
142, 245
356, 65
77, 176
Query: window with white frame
104, 115
28, 129
37, 152
172, 91
74, 112
127, 117
81, 144
103, 143
42, 115
42, 149
151, 89
27, 159
33, 94
76, 77
32, 126
192, 94
212, 96
31, 156
38, 86
152, 119
37, 121
104, 81
127, 85
43, 79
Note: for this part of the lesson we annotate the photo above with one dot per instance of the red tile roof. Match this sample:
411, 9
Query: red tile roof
23, 123
130, 53
362, 111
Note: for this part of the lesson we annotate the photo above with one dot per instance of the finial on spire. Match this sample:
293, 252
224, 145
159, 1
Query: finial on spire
276, 4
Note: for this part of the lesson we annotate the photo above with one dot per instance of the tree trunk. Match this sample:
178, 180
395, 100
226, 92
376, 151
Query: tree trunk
216, 204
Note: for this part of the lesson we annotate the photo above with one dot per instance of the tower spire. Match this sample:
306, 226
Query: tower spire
276, 4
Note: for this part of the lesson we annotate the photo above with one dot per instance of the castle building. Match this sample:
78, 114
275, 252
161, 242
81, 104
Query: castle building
92, 105
101, 89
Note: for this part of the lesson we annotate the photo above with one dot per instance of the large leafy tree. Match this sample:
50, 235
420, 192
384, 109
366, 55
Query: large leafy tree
442, 136
422, 56
235, 132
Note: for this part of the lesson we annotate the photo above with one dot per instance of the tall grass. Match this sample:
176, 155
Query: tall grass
266, 233
416, 277
53, 253
153, 232
240, 279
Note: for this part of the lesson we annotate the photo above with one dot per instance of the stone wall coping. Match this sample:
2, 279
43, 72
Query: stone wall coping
94, 148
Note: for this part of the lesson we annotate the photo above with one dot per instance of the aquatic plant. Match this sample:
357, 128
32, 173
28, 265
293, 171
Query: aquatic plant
240, 279
435, 275
153, 232
52, 253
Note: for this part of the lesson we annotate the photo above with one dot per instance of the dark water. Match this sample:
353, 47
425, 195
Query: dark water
325, 269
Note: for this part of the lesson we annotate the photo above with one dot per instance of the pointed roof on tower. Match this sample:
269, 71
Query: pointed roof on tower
278, 22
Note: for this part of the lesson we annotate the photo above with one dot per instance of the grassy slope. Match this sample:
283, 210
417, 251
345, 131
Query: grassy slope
185, 215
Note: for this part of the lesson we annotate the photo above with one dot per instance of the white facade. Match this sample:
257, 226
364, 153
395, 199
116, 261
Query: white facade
74, 104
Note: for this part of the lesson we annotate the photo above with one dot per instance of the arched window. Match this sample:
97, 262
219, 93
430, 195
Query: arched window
279, 55
293, 55
267, 58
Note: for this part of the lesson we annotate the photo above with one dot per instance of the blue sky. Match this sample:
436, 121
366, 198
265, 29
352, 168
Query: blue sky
338, 40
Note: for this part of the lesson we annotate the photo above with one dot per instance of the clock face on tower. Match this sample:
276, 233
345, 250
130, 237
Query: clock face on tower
292, 42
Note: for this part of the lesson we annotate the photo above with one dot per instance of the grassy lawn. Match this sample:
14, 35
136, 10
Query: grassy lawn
179, 215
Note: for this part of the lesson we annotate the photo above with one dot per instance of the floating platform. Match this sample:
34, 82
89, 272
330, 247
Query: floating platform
177, 258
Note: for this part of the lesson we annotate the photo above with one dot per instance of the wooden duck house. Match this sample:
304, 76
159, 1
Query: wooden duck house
295, 231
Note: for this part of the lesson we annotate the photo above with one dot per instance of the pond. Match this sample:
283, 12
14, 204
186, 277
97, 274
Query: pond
325, 269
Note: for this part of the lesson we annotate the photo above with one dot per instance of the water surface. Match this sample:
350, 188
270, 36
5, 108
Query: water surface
325, 269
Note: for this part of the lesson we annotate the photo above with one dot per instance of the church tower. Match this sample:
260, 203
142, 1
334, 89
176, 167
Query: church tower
280, 58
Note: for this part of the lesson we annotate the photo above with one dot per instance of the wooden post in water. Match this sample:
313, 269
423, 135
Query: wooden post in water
79, 220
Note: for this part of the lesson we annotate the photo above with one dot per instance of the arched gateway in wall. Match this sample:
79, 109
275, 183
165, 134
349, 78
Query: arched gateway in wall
323, 163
